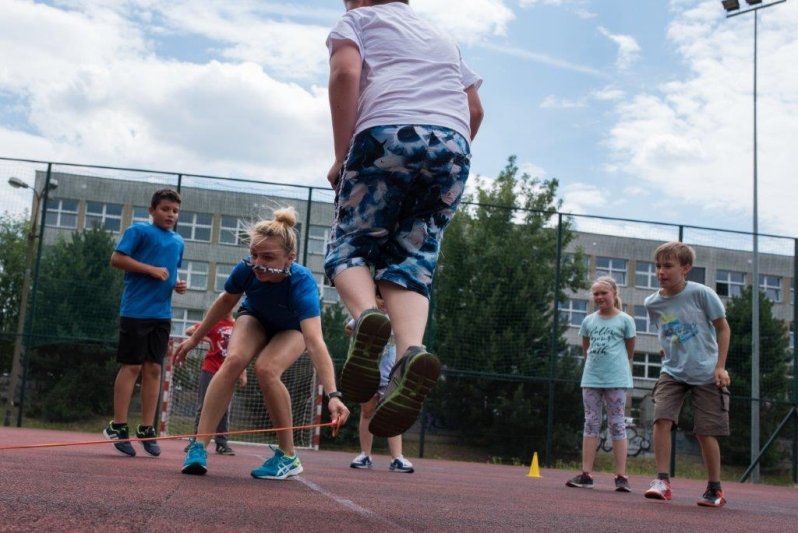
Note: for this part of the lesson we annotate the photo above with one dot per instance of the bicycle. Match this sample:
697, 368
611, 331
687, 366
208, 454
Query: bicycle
636, 443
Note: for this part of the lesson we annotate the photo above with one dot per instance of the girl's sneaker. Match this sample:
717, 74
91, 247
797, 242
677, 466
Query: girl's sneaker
196, 463
361, 461
622, 484
278, 467
582, 481
402, 465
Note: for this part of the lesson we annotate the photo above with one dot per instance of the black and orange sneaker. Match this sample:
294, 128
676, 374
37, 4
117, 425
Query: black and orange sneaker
411, 380
360, 377
712, 498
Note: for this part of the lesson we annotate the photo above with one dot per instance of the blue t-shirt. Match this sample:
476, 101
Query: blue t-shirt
143, 295
282, 305
686, 332
607, 361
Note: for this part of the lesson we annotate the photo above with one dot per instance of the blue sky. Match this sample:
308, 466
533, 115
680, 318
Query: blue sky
642, 109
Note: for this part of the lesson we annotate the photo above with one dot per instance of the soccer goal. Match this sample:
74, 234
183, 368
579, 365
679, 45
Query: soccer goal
248, 412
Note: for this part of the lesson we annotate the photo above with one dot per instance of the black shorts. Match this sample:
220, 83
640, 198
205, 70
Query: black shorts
142, 339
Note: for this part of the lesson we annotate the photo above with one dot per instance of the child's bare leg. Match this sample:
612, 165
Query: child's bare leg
710, 452
395, 446
662, 444
150, 389
356, 288
366, 438
123, 390
589, 445
408, 311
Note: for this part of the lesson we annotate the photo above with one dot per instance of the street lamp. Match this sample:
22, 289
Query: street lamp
16, 362
732, 8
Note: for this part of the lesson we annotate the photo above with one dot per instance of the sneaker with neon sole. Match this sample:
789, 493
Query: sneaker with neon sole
660, 489
118, 433
150, 445
410, 381
196, 462
360, 376
280, 466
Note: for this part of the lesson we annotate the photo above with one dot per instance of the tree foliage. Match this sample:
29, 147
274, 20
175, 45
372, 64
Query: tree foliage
775, 383
494, 313
13, 232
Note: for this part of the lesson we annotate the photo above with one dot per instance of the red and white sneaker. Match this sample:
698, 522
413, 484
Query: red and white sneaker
712, 498
660, 489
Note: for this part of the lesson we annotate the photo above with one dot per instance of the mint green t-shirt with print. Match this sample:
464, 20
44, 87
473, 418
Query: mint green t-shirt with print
607, 362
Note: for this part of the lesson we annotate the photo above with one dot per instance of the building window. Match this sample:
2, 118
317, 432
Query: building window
698, 274
646, 275
607, 266
771, 286
196, 275
106, 216
329, 295
573, 311
317, 239
222, 273
195, 226
646, 366
183, 318
62, 213
141, 214
729, 283
643, 320
233, 231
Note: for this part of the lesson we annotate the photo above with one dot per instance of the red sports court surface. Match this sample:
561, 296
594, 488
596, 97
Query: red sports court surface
92, 488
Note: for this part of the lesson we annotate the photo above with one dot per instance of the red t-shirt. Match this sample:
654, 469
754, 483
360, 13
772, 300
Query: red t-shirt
219, 336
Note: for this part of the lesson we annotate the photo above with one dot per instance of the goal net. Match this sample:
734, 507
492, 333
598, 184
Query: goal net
248, 412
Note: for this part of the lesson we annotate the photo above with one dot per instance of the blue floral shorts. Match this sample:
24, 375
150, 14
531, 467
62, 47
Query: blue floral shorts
399, 189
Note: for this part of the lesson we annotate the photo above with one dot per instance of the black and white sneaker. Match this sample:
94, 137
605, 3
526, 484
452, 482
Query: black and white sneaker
119, 433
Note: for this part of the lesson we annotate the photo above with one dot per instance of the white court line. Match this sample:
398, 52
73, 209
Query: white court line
349, 504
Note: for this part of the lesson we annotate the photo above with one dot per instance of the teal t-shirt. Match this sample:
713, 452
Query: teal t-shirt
686, 332
607, 362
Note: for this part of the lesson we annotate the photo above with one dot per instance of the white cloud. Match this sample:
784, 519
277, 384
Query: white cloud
628, 49
469, 21
555, 102
692, 138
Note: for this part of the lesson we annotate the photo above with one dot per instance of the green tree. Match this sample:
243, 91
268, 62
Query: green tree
775, 384
75, 327
493, 315
13, 232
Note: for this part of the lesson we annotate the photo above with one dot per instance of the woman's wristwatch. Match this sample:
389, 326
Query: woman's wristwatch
335, 394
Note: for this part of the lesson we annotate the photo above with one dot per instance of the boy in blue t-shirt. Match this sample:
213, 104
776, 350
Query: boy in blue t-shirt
694, 336
150, 255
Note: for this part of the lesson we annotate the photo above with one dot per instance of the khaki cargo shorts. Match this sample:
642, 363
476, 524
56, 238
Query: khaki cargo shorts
710, 405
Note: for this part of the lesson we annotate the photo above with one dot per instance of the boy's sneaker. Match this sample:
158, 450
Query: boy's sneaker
660, 489
224, 449
400, 464
712, 498
150, 446
361, 461
360, 377
120, 433
411, 380
582, 481
196, 463
622, 484
278, 467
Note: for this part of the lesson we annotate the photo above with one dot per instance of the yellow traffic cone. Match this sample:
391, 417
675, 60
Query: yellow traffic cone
534, 469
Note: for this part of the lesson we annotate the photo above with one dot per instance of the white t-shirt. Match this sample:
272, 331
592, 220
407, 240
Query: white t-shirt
412, 73
686, 332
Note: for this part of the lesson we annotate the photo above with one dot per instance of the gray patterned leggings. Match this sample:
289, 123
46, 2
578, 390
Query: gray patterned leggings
615, 399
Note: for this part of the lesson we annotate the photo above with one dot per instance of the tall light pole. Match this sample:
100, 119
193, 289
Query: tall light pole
16, 362
732, 8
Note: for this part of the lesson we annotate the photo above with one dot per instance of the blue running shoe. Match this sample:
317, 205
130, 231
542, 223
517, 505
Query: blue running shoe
196, 463
278, 467
361, 461
150, 446
119, 433
402, 465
